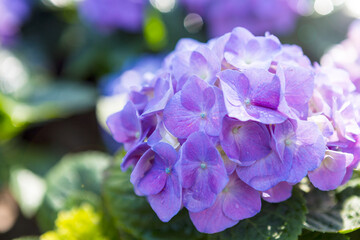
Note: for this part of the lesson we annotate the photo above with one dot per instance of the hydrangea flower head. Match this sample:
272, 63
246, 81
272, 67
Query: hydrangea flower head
225, 123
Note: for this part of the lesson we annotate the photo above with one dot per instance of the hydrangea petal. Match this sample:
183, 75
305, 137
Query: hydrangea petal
212, 220
125, 125
197, 107
244, 141
167, 203
252, 95
240, 201
331, 171
144, 164
202, 172
200, 196
163, 91
301, 143
266, 172
133, 155
278, 193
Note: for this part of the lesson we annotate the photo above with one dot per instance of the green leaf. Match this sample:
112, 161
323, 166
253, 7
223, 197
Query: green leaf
74, 180
133, 215
48, 100
28, 190
309, 235
17, 155
275, 221
335, 211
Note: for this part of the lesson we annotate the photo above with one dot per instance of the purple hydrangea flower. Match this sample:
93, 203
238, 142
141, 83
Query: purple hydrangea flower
200, 62
163, 91
202, 172
197, 107
155, 177
253, 94
296, 145
246, 116
236, 202
116, 90
125, 125
244, 50
237, 144
114, 14
12, 14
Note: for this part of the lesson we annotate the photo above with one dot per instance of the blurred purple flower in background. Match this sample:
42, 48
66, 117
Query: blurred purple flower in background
346, 55
108, 15
258, 16
12, 14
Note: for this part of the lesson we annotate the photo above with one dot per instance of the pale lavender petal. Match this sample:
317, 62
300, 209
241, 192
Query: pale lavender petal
125, 125
301, 143
189, 100
139, 99
350, 169
299, 85
163, 91
204, 64
332, 170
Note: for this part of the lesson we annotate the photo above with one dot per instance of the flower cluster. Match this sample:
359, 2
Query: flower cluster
346, 55
12, 15
225, 123
114, 89
108, 15
259, 16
